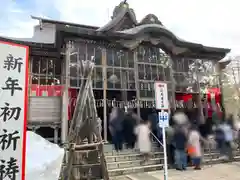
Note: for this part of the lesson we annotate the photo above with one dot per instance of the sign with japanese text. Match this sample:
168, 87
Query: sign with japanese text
161, 95
13, 110
163, 119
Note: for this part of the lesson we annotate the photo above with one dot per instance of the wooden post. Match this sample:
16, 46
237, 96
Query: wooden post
65, 97
104, 64
173, 84
219, 72
199, 101
137, 82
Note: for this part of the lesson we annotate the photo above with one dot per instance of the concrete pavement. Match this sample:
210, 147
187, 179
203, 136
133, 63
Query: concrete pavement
215, 172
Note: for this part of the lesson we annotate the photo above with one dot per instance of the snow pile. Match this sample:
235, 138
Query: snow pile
43, 158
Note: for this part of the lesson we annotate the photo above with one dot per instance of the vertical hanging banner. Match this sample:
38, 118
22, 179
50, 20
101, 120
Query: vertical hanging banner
161, 95
162, 104
13, 110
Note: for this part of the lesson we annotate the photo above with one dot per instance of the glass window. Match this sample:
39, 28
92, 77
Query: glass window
154, 52
98, 78
160, 71
82, 51
36, 64
141, 71
119, 84
110, 57
123, 77
74, 70
148, 55
90, 52
131, 79
185, 65
113, 78
75, 82
148, 72
179, 78
130, 59
45, 71
98, 55
141, 54
146, 89
57, 66
43, 66
118, 58
113, 57
174, 64
154, 72
35, 79
167, 72
142, 89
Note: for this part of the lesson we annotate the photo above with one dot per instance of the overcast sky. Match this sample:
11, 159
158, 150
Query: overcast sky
210, 22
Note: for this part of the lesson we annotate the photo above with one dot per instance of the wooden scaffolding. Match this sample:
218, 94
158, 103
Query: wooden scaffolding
84, 155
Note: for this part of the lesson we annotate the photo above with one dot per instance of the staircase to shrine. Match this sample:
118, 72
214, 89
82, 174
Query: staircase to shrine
129, 161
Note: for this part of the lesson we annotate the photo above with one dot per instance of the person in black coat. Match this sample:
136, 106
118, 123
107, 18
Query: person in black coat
116, 128
180, 143
153, 118
129, 124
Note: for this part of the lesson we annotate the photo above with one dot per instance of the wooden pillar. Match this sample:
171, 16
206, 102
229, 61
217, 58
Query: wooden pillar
137, 82
104, 64
220, 77
124, 88
65, 97
55, 134
199, 101
173, 83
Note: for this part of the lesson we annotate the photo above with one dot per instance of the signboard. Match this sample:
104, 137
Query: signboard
161, 95
13, 110
162, 103
56, 90
163, 119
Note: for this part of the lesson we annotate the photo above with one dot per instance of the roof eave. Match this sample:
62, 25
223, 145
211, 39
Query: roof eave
28, 43
223, 63
215, 49
45, 20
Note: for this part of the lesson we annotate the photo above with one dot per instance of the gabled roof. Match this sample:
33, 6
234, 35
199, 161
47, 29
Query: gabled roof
119, 13
149, 29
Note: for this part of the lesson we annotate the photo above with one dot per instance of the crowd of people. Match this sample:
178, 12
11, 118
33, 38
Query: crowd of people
185, 137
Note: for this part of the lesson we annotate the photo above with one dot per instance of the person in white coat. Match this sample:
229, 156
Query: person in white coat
228, 139
142, 132
194, 147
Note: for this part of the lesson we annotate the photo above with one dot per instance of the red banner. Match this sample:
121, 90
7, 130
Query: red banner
211, 93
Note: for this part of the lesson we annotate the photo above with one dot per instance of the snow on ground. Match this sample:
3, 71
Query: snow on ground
43, 158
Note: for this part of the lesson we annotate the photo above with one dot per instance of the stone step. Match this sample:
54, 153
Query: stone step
135, 155
127, 151
135, 169
109, 150
148, 168
153, 161
132, 163
109, 147
124, 177
130, 157
142, 176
